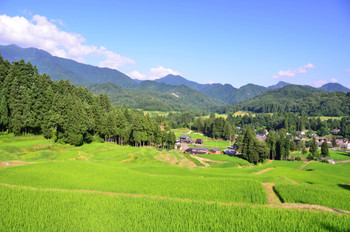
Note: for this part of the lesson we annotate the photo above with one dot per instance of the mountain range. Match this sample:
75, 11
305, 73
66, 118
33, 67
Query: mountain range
301, 99
171, 92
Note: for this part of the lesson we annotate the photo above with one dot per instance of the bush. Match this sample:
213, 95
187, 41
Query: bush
75, 139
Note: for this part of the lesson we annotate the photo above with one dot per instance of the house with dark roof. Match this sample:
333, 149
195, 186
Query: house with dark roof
230, 152
215, 151
197, 150
199, 141
185, 139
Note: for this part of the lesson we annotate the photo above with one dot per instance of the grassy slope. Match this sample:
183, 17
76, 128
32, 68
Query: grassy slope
124, 169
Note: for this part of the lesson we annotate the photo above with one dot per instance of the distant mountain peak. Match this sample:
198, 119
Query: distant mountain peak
279, 85
333, 87
61, 68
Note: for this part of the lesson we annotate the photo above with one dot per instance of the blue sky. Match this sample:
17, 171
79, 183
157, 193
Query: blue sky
235, 42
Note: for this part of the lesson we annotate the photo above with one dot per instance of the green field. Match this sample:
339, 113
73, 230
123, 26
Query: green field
335, 155
207, 142
46, 186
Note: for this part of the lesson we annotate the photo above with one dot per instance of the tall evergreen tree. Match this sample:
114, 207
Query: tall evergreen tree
313, 149
4, 113
324, 149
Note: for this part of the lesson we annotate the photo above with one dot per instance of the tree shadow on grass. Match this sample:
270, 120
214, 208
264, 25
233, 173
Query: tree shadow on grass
331, 227
345, 186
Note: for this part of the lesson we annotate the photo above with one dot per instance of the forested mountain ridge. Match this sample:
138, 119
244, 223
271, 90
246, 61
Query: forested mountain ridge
296, 98
224, 92
200, 97
156, 96
60, 69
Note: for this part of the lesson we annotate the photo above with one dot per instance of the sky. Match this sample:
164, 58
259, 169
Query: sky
235, 42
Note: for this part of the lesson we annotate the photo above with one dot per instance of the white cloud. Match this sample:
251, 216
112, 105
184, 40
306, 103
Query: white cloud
153, 73
319, 83
137, 75
211, 82
57, 21
293, 72
43, 34
159, 72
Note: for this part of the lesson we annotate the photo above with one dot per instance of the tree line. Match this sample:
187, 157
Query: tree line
33, 103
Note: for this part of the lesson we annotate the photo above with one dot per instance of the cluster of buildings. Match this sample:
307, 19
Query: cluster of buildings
301, 136
201, 150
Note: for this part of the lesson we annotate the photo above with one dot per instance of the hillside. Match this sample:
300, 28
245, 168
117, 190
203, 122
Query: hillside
163, 190
226, 93
296, 98
333, 87
172, 98
59, 68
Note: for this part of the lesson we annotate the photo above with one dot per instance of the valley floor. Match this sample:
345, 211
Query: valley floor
45, 186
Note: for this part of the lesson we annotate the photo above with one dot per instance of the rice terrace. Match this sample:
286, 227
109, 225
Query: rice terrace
106, 187
174, 116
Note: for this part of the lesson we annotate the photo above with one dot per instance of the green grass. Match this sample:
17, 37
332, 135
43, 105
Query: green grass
335, 155
229, 159
90, 176
339, 155
338, 198
33, 210
197, 163
107, 167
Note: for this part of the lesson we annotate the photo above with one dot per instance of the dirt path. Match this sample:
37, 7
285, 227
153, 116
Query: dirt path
270, 161
271, 195
79, 157
282, 205
206, 165
184, 146
343, 161
303, 165
184, 162
262, 171
205, 161
14, 163
128, 160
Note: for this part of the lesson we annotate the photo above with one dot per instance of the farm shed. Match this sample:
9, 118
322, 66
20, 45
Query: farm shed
199, 141
215, 151
197, 150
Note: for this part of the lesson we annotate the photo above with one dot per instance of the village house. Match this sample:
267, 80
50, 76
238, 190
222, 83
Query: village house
199, 141
215, 151
232, 147
197, 150
261, 136
300, 133
230, 152
335, 131
313, 135
185, 139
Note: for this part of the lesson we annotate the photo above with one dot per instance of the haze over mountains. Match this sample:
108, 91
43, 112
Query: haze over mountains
171, 92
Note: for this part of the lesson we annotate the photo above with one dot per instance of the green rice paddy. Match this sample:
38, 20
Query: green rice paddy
106, 187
